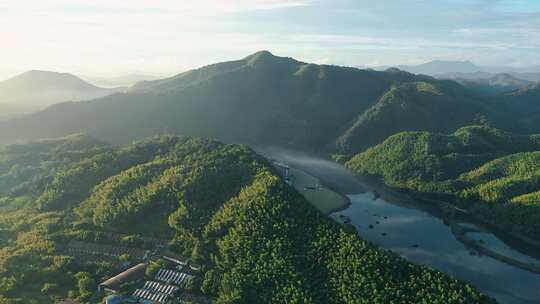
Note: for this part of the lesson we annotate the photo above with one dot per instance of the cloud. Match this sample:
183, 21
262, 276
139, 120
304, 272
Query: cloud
170, 36
172, 6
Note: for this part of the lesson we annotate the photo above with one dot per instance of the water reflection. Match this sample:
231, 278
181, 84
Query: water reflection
493, 243
424, 239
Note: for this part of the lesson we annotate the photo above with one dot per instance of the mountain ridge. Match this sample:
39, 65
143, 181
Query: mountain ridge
438, 67
310, 104
267, 99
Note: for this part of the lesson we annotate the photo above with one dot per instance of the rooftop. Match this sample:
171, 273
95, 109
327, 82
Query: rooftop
134, 273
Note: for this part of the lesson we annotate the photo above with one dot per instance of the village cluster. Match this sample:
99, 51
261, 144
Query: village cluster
167, 284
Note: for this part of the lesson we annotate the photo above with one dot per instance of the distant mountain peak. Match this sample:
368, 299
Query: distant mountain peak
451, 64
46, 74
265, 58
260, 55
504, 76
396, 70
438, 67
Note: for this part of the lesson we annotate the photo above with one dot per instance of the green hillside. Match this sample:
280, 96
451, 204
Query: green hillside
417, 106
259, 241
474, 164
24, 167
512, 184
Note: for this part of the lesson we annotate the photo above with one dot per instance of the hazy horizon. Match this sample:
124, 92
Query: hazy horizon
115, 38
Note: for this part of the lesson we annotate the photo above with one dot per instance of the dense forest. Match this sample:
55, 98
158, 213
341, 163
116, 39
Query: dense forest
266, 99
495, 174
437, 107
222, 205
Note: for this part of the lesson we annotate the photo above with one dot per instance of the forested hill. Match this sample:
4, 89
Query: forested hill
495, 174
263, 99
43, 88
437, 107
222, 205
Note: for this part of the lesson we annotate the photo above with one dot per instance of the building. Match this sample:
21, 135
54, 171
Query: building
175, 277
284, 171
133, 274
116, 299
156, 292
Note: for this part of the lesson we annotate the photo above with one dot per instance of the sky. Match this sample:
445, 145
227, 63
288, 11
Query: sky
116, 37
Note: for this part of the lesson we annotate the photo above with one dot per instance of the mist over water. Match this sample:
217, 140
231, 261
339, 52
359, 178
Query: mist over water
332, 174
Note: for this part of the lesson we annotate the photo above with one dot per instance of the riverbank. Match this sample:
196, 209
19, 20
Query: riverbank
461, 236
448, 211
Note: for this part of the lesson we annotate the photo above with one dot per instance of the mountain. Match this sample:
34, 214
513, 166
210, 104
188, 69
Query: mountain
271, 100
467, 76
492, 173
493, 85
259, 99
440, 107
467, 69
44, 88
119, 81
532, 76
439, 67
10, 111
222, 206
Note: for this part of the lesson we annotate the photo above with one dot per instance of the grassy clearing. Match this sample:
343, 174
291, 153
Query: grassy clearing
324, 199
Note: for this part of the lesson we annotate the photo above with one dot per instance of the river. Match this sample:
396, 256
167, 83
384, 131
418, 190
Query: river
414, 231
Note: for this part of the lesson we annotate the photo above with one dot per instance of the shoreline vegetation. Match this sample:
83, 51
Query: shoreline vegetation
444, 210
447, 212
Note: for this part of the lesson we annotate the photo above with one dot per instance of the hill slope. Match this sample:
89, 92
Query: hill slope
45, 88
258, 239
439, 107
475, 164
